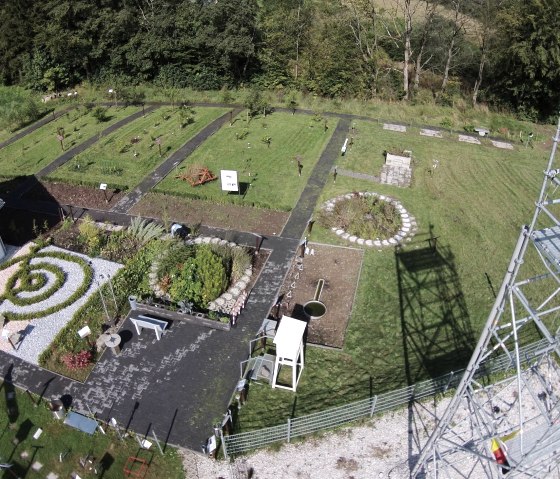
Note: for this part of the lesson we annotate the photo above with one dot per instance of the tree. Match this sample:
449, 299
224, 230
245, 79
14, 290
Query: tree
527, 70
363, 22
408, 10
286, 28
419, 63
457, 26
486, 13
16, 39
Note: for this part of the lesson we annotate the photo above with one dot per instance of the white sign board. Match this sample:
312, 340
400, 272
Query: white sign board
103, 186
229, 180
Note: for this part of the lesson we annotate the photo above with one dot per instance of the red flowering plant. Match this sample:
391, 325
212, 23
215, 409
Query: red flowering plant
77, 360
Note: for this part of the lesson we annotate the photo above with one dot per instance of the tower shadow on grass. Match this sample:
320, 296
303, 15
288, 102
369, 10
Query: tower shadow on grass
436, 330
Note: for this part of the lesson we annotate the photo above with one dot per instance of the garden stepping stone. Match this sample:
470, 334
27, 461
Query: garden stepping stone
469, 139
36, 466
52, 475
353, 238
502, 144
360, 241
431, 133
369, 242
393, 127
24, 454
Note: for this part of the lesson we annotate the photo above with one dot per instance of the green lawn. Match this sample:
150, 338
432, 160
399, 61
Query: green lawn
17, 446
268, 174
36, 150
125, 157
417, 314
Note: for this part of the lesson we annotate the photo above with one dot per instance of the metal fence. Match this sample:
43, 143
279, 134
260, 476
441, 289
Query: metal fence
301, 426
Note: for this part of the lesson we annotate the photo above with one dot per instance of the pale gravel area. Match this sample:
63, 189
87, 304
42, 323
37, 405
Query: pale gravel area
388, 445
40, 332
380, 448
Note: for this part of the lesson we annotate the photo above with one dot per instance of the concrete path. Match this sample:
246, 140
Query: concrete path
301, 214
171, 162
354, 174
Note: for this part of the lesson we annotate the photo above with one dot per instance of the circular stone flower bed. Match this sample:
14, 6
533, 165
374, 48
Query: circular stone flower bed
398, 224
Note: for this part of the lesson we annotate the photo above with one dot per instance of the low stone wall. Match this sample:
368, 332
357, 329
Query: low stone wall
199, 319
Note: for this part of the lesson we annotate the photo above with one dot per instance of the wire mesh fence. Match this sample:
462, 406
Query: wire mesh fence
334, 417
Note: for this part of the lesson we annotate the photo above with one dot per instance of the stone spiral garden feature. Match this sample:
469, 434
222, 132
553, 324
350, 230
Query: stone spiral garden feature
404, 232
35, 287
40, 291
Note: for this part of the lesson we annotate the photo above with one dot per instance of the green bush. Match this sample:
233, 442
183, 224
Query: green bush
100, 114
197, 274
211, 272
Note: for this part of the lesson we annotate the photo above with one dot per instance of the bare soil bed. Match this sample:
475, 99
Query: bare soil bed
190, 211
165, 207
340, 268
75, 195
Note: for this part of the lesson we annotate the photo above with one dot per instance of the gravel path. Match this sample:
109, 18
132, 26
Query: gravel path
40, 332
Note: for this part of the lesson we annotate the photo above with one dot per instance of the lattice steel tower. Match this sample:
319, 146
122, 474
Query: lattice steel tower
504, 420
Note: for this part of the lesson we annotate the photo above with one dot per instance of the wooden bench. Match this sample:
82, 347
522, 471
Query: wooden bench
150, 323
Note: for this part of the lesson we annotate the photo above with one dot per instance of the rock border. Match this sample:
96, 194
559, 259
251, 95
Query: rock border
406, 232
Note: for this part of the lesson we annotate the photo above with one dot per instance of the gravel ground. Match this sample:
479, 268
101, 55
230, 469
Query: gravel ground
380, 448
40, 332
387, 445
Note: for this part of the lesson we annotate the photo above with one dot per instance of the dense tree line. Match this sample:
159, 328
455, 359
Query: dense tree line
504, 52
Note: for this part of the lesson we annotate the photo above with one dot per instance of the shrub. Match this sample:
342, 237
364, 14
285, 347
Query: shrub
77, 360
144, 231
211, 272
195, 274
90, 236
60, 278
100, 114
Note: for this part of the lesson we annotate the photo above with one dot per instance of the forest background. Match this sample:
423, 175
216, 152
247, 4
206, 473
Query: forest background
504, 54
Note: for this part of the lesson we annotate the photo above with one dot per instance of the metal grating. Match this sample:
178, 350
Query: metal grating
547, 241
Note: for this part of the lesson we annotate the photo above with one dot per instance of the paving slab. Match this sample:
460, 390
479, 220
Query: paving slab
469, 139
502, 144
431, 133
394, 127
